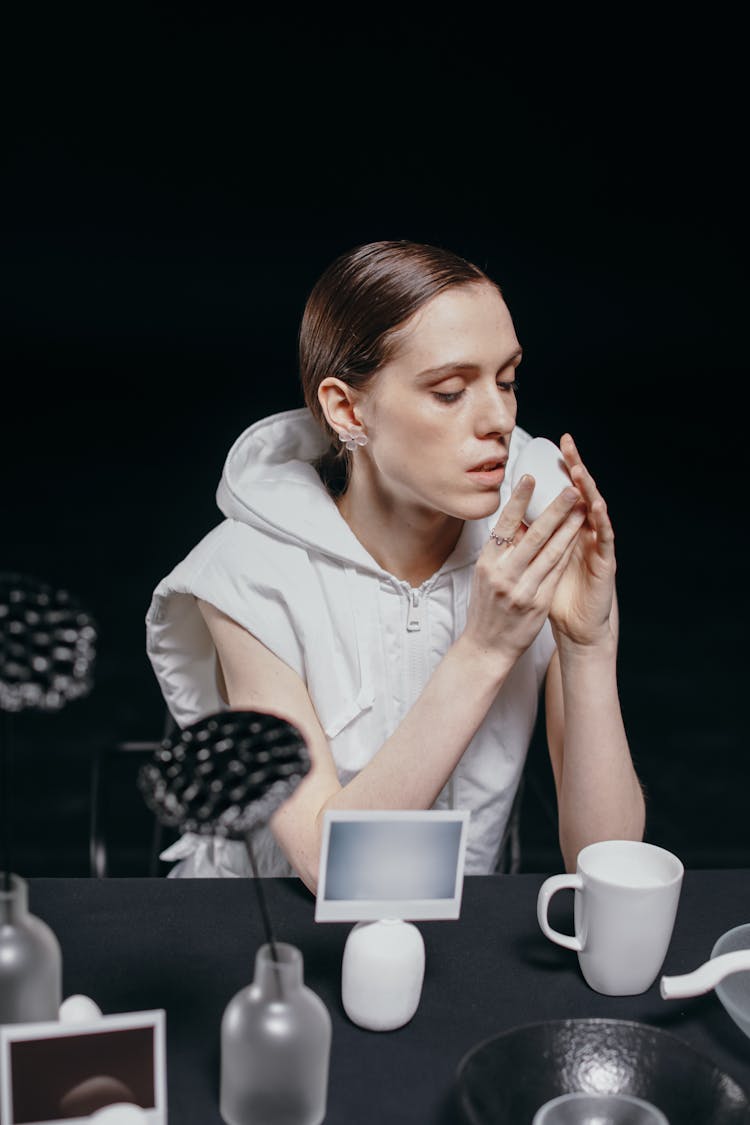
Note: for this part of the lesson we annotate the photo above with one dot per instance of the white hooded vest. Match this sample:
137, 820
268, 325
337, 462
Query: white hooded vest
286, 566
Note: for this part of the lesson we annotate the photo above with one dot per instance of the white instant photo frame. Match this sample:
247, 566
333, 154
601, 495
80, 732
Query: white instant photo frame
42, 1064
395, 864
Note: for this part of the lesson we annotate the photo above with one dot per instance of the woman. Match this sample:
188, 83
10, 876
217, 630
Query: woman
364, 587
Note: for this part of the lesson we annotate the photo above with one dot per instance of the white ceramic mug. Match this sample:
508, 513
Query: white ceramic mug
626, 895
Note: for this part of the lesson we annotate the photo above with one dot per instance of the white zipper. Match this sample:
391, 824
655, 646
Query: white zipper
414, 616
417, 663
416, 656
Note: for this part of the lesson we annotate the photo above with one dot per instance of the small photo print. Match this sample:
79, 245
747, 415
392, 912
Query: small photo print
52, 1072
397, 863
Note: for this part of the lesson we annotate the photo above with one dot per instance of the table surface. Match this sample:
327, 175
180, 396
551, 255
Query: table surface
188, 945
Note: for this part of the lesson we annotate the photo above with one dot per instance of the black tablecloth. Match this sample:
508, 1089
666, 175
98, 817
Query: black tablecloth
188, 945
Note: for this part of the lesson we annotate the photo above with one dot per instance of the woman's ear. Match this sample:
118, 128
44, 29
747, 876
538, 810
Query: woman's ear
339, 403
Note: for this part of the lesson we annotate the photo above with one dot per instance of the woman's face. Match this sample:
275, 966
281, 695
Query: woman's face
440, 414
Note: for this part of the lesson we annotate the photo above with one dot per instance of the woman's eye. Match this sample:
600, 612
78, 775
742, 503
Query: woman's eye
453, 396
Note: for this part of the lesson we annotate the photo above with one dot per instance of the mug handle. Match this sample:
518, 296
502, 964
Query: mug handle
548, 888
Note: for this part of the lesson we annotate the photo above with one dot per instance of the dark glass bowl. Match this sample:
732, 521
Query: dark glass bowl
504, 1080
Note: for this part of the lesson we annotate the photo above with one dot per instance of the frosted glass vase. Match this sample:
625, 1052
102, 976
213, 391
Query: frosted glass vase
30, 960
275, 1046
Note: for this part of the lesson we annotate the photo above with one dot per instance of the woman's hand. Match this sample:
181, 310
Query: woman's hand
582, 608
517, 573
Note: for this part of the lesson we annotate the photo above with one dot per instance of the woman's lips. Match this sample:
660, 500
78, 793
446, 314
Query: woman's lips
489, 472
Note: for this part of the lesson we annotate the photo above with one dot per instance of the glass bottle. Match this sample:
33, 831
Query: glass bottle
275, 1046
30, 959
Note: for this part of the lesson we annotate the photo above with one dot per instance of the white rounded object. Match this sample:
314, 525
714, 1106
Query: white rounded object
79, 1009
542, 459
121, 1113
382, 973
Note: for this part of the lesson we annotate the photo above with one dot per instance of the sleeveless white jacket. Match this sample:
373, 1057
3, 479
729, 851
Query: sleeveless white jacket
285, 565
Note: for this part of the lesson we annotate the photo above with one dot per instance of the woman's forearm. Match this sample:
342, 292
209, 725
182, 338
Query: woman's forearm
413, 765
599, 795
410, 768
407, 771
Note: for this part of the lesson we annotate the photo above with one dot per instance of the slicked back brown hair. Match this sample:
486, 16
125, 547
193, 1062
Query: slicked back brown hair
351, 317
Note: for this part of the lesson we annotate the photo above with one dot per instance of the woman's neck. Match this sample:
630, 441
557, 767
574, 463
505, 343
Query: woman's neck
408, 541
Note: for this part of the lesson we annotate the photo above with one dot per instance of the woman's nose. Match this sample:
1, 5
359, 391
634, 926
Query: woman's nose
496, 411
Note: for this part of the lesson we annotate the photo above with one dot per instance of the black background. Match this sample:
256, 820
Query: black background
175, 178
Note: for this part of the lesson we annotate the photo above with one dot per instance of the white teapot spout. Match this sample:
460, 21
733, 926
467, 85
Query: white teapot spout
706, 977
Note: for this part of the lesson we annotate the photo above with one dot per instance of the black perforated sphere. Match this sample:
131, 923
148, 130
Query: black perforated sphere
47, 645
225, 774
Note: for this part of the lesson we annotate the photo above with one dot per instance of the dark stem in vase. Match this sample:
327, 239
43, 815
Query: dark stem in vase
5, 752
261, 897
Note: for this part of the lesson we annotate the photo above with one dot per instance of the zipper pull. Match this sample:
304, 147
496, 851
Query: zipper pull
414, 617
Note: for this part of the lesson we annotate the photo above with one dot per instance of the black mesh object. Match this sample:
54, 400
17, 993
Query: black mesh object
47, 645
226, 774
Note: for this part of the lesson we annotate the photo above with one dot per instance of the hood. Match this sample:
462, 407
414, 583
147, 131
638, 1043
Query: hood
268, 482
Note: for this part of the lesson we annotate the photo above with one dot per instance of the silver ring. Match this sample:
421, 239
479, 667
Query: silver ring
501, 540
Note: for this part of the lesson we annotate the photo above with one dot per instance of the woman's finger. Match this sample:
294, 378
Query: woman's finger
580, 475
549, 581
505, 530
602, 525
544, 526
598, 519
556, 548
